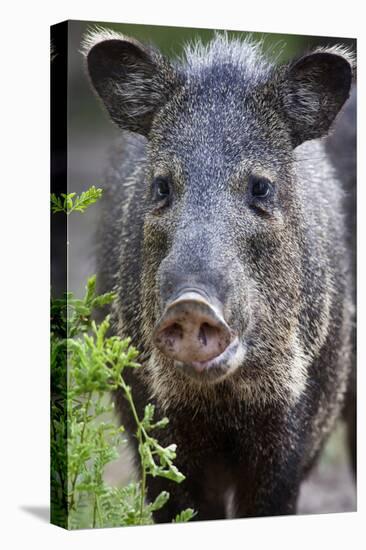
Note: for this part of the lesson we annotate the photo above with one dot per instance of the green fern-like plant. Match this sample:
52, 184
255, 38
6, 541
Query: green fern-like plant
86, 365
70, 202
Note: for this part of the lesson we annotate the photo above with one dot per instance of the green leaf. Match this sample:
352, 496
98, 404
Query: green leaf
161, 423
160, 501
185, 515
72, 202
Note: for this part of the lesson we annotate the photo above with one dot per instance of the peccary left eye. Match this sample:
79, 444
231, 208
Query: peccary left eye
260, 188
161, 189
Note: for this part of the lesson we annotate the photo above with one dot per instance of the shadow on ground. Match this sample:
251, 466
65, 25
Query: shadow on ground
40, 512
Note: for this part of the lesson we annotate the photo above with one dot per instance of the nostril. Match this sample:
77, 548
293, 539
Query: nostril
202, 334
170, 334
206, 333
174, 331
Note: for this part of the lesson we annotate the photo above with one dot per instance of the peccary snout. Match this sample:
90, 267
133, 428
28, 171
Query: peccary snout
192, 330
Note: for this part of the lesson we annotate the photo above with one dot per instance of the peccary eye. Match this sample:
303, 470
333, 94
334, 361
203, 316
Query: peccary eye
161, 189
260, 188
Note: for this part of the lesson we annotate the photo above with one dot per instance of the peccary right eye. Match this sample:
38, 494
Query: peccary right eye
161, 189
260, 187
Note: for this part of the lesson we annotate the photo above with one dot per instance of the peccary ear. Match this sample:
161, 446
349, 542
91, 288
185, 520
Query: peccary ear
132, 80
315, 88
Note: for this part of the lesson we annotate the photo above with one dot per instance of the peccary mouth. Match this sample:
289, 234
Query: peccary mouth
219, 367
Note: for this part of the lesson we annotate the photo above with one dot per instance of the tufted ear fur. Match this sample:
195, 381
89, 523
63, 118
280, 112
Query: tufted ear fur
132, 80
314, 89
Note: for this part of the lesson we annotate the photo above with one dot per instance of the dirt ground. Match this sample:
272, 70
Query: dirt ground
330, 486
327, 490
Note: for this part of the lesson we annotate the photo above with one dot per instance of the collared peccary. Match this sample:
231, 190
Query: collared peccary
224, 234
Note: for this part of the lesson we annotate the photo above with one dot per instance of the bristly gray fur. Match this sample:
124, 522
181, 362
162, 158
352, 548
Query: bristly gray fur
283, 268
245, 55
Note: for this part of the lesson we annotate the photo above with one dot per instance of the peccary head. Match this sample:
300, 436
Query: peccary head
223, 249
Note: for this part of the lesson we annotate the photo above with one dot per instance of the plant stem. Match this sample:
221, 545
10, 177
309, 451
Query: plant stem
98, 511
140, 435
95, 511
85, 420
143, 490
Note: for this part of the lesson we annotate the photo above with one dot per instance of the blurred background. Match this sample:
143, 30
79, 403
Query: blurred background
330, 488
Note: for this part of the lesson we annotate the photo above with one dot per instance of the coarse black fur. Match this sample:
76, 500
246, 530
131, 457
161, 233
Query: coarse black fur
283, 267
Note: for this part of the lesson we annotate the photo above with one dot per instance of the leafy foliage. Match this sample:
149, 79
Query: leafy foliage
86, 365
71, 202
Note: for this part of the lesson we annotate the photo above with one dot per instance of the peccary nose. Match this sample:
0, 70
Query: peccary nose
192, 329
